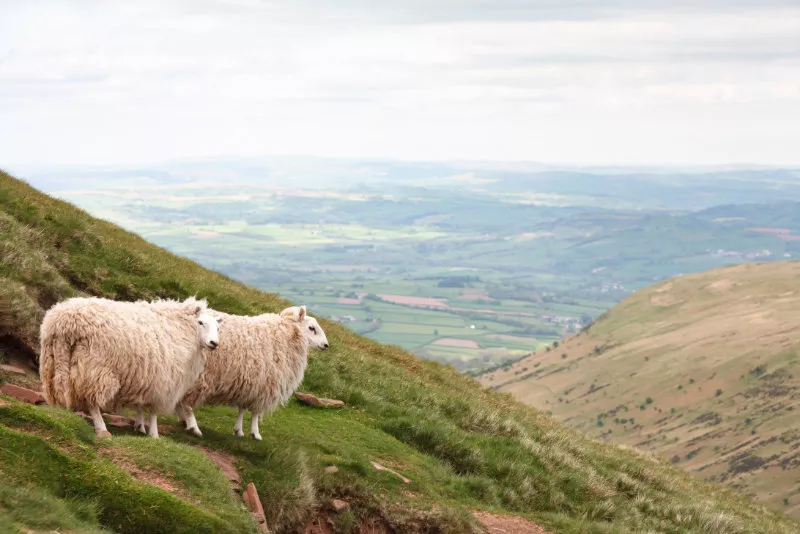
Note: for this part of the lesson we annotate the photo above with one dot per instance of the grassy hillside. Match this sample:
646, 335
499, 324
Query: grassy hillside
702, 369
464, 448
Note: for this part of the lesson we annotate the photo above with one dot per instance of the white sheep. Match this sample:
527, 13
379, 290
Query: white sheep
100, 354
261, 362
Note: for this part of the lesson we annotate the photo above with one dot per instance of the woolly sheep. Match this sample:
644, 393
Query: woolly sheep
100, 354
261, 362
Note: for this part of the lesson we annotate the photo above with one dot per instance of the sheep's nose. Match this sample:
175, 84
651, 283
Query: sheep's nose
325, 346
213, 344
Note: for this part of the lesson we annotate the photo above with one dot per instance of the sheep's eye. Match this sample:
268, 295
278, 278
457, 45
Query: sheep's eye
200, 323
312, 329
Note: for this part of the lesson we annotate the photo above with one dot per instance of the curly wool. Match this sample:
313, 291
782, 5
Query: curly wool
262, 360
109, 354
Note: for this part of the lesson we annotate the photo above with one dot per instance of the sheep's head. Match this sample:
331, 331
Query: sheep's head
208, 329
311, 328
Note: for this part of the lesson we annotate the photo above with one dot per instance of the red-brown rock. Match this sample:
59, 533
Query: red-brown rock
22, 394
250, 497
312, 400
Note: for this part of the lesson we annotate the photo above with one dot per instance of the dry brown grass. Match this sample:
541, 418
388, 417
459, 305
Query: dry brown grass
717, 353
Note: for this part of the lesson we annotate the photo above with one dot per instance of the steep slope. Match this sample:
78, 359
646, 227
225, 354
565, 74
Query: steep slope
463, 448
702, 369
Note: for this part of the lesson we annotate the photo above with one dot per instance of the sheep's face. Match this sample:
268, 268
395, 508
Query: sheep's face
208, 330
311, 328
316, 337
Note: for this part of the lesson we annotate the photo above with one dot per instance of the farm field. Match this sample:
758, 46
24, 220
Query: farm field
470, 275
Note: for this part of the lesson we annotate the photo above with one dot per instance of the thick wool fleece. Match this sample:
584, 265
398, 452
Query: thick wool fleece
261, 363
103, 353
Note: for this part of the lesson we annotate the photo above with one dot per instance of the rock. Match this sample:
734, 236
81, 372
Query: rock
250, 497
313, 400
111, 419
331, 469
119, 421
11, 369
379, 467
25, 395
339, 505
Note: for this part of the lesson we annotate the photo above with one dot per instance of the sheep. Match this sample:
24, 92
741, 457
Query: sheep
262, 361
100, 354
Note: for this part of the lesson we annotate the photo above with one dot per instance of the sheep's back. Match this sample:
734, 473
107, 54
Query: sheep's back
147, 350
258, 360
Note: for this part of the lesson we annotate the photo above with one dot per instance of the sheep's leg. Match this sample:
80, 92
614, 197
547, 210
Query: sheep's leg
153, 424
138, 426
99, 425
191, 424
254, 418
239, 423
186, 414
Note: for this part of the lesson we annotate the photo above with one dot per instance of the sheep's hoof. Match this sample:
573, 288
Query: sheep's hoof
256, 437
238, 433
141, 429
195, 431
103, 433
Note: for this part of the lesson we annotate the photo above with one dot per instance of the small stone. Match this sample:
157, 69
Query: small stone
312, 400
339, 505
331, 469
119, 421
25, 395
250, 497
11, 369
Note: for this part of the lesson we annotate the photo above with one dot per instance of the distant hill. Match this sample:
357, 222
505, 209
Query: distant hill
703, 369
459, 457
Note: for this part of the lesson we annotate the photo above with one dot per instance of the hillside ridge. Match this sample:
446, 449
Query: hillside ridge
710, 362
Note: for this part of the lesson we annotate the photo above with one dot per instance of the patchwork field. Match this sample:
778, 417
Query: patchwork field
410, 254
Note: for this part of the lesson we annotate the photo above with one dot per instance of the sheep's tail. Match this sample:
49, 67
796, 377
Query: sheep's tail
47, 370
54, 370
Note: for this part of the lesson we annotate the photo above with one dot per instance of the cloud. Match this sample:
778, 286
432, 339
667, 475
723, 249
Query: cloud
569, 81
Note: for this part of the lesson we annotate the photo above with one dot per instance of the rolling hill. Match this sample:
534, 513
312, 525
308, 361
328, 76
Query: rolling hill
462, 451
703, 369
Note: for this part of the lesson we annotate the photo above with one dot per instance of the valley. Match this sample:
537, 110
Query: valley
472, 265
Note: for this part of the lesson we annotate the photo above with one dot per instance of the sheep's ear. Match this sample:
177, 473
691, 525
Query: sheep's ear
293, 313
197, 310
301, 313
220, 320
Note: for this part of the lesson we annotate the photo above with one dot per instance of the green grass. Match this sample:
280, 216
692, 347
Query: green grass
463, 447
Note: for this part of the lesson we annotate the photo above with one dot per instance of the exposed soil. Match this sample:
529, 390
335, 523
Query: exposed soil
226, 463
149, 477
506, 524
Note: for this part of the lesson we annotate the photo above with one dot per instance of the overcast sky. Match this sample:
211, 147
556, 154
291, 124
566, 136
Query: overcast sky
555, 81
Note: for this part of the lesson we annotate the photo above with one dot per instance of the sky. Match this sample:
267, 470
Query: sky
578, 82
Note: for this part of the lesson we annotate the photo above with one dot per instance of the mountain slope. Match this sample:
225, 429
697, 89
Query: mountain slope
702, 369
462, 447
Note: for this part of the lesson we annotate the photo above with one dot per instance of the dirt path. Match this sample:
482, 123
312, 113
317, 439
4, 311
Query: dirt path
506, 524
